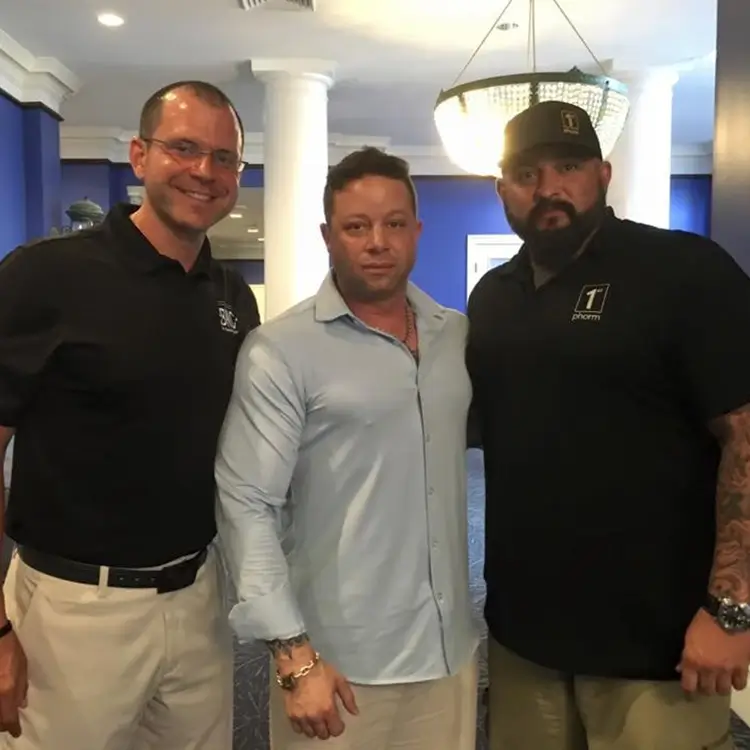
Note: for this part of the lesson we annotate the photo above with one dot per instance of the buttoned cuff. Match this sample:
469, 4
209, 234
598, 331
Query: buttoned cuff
267, 618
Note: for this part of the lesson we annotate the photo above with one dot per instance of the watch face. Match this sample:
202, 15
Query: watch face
734, 617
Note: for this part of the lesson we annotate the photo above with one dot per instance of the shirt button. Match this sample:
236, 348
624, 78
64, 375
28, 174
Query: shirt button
440, 598
434, 544
430, 491
427, 438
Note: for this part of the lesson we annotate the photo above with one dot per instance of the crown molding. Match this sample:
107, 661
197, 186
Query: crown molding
694, 158
111, 144
92, 143
29, 79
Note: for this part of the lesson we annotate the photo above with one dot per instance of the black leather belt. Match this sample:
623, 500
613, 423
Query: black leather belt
172, 578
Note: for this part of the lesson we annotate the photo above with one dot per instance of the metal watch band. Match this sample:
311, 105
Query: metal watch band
288, 681
731, 616
712, 604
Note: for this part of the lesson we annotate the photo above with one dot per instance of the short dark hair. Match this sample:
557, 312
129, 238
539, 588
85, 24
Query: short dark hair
366, 162
207, 92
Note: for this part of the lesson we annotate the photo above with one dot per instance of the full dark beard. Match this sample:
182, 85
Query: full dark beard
553, 249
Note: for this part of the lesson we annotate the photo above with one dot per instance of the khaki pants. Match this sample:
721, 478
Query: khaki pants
533, 708
122, 669
435, 715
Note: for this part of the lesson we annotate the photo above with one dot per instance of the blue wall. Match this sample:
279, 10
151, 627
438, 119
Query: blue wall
102, 182
450, 207
252, 177
41, 149
85, 180
12, 177
690, 207
29, 172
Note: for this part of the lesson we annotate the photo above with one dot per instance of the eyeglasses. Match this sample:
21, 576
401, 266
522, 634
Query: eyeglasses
188, 151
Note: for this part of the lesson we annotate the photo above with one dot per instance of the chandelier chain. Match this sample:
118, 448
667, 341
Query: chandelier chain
580, 37
532, 34
531, 52
481, 44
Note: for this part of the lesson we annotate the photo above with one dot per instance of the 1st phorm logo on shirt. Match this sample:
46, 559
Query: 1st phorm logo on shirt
227, 318
590, 304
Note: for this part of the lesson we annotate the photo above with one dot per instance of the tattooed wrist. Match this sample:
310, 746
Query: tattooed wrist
284, 647
730, 575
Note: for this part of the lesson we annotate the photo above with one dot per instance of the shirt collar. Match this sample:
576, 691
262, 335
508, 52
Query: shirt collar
330, 305
137, 252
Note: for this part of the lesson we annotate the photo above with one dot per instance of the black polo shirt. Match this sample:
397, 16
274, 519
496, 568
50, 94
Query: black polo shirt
593, 395
116, 367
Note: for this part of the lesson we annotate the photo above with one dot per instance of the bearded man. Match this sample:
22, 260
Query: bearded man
611, 380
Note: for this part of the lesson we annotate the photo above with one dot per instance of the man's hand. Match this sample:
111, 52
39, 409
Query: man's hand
312, 705
713, 661
13, 683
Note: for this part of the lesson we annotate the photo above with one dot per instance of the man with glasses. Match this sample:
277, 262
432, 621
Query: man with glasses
117, 352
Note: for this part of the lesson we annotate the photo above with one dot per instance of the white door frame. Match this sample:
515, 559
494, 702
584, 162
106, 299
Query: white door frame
485, 251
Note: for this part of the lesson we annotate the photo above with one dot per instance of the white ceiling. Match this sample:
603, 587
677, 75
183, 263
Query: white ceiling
393, 56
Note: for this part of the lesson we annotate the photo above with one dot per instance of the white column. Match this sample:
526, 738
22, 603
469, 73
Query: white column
642, 157
295, 165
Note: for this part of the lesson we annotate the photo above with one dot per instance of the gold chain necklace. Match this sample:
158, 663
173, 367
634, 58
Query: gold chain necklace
409, 315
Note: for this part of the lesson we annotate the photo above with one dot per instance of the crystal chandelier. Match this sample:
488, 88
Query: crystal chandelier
471, 117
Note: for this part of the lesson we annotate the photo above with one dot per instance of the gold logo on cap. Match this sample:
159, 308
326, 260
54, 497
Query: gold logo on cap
570, 123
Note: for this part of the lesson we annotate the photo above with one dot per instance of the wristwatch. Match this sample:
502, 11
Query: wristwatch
289, 681
731, 616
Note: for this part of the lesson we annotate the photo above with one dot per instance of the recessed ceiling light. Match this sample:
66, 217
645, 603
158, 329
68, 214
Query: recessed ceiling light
252, 230
235, 216
112, 20
261, 239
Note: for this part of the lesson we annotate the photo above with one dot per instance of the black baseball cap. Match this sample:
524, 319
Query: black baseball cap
551, 124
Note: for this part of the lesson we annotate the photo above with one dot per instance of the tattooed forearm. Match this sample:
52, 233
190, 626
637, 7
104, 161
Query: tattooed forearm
730, 575
285, 647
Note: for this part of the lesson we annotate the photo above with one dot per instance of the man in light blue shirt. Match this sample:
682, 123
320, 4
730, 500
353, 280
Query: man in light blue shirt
342, 489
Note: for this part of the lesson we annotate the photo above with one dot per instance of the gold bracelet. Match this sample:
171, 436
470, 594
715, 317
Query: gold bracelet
289, 681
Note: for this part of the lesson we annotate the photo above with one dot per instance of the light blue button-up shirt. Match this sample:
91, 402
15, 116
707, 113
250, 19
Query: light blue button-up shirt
342, 490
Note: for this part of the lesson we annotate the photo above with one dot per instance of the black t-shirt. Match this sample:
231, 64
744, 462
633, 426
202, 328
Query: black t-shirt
593, 395
116, 367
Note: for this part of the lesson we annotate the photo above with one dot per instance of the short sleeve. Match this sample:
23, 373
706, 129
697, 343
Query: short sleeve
713, 330
243, 301
29, 329
247, 308
474, 313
